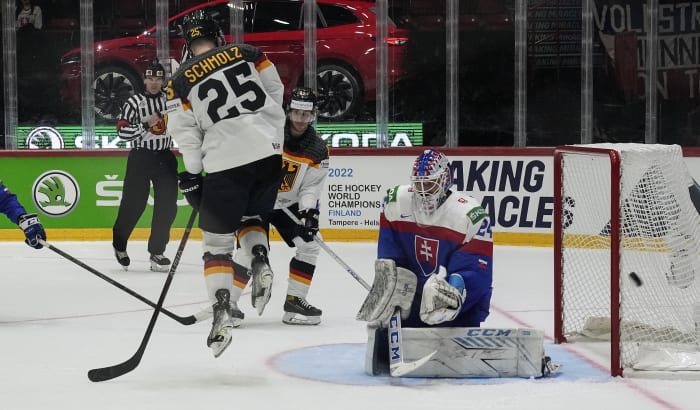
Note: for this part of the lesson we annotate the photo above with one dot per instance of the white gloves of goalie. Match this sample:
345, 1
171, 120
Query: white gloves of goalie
441, 301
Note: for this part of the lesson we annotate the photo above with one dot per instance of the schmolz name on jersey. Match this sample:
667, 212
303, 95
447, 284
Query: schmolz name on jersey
211, 63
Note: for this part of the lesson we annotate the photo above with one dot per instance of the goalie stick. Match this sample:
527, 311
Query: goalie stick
110, 372
185, 320
330, 252
397, 365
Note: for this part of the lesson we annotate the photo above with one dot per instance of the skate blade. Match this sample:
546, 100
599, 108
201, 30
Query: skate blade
297, 319
217, 348
261, 292
261, 301
159, 268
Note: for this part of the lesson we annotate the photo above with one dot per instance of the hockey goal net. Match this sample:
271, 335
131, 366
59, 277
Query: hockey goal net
626, 242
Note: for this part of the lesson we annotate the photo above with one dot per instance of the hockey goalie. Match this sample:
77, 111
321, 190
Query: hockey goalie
434, 274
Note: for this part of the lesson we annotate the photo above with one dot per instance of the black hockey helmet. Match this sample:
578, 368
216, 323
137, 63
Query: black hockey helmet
154, 69
303, 98
302, 105
199, 24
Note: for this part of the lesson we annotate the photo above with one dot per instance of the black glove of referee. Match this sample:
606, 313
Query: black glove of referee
191, 187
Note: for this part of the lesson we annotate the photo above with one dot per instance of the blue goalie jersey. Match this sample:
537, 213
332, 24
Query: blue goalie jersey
457, 236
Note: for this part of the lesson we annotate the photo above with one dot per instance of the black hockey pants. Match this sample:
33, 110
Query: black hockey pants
142, 167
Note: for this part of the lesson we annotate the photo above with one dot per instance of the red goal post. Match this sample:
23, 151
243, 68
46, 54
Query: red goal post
626, 242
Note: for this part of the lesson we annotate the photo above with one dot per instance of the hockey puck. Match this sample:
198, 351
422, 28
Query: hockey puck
635, 279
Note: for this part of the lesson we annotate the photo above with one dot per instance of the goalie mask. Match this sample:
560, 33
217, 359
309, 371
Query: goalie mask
198, 25
302, 106
431, 177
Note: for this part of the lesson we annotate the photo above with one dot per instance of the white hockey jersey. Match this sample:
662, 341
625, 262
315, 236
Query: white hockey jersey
304, 170
225, 109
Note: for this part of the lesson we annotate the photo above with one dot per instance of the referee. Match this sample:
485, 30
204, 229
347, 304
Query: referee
142, 125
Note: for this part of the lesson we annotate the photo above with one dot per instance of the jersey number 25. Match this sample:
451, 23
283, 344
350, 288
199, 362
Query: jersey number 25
239, 88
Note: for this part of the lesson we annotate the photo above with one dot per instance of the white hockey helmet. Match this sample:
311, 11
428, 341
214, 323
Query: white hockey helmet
431, 177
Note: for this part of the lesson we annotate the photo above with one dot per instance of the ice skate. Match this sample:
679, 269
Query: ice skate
262, 279
159, 263
220, 335
297, 311
548, 367
236, 314
122, 258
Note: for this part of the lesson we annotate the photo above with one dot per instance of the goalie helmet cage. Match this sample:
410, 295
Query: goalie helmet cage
626, 237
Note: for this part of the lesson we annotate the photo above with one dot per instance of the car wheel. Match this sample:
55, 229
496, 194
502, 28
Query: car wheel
339, 92
113, 86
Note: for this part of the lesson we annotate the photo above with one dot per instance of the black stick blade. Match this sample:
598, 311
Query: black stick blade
108, 373
112, 372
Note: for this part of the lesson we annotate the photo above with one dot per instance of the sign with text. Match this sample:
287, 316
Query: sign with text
82, 192
623, 30
335, 135
516, 191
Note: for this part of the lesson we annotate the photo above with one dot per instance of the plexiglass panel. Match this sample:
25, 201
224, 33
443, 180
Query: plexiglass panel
458, 72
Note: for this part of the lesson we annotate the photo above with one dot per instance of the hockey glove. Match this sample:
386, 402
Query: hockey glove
33, 230
308, 224
191, 187
442, 301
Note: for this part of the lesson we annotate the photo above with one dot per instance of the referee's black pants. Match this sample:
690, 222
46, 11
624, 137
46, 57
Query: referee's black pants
142, 167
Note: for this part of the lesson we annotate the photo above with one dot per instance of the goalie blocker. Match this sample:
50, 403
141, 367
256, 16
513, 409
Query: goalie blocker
463, 352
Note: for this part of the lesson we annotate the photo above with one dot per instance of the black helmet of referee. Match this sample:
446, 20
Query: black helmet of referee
154, 69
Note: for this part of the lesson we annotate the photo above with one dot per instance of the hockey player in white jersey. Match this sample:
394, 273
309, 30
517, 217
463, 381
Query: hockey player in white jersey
225, 113
434, 270
305, 166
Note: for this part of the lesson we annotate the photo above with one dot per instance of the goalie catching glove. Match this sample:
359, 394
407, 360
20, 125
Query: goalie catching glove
393, 287
191, 187
442, 301
308, 224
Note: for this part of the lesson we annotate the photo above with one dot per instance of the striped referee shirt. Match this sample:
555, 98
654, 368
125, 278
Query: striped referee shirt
133, 126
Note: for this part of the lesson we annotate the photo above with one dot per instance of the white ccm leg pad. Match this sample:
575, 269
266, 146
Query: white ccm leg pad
392, 287
463, 352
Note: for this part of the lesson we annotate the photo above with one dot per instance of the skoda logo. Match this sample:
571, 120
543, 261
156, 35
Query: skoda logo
55, 193
44, 138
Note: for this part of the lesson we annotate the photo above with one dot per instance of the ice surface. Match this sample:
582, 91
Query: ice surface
57, 321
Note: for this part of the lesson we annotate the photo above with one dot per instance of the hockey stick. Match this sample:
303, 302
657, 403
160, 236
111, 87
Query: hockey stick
397, 366
186, 320
329, 251
110, 372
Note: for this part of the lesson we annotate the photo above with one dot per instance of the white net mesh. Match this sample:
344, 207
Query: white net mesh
660, 231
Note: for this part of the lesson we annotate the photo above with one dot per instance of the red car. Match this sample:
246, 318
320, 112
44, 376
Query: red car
345, 54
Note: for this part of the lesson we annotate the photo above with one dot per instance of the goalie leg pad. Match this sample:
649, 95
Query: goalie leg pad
465, 352
392, 287
377, 352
